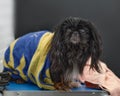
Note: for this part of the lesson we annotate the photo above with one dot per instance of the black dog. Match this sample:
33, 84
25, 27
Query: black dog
75, 40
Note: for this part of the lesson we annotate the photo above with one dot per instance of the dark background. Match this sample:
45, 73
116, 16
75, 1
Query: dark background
34, 15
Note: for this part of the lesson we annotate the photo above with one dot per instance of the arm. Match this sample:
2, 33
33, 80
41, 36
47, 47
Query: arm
107, 80
111, 83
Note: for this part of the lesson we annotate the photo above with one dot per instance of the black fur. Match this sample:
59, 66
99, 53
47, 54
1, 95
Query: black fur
75, 40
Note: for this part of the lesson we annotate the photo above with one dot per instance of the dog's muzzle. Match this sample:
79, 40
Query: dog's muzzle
75, 38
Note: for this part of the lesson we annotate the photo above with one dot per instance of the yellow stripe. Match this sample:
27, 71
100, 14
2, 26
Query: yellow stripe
9, 67
38, 59
48, 79
21, 67
48, 73
43, 45
5, 64
10, 63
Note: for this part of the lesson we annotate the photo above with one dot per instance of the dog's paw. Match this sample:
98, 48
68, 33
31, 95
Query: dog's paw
19, 81
62, 87
74, 84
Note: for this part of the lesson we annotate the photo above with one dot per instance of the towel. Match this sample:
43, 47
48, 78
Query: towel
28, 58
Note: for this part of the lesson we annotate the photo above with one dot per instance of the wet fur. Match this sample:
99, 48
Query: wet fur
74, 42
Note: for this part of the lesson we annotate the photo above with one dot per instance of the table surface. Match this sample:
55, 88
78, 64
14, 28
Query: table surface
30, 86
27, 89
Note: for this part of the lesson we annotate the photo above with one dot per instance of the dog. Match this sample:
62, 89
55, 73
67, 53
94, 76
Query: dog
63, 54
74, 42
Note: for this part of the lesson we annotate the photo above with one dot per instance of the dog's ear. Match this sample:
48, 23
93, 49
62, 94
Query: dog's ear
57, 55
95, 47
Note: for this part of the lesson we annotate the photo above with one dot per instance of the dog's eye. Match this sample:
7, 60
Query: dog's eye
69, 30
82, 31
86, 29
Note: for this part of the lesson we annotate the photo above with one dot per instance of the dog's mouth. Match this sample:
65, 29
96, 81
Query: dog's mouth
79, 42
75, 40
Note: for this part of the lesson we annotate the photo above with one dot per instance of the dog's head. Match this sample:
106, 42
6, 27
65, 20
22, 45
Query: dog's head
75, 41
75, 31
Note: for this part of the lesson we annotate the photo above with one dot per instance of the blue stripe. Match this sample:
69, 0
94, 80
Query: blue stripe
7, 55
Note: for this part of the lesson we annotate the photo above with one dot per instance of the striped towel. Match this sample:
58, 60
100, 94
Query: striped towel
28, 58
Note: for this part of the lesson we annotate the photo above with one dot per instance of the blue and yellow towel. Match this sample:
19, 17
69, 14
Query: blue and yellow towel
28, 58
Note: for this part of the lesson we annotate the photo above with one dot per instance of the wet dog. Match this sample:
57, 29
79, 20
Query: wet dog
73, 42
